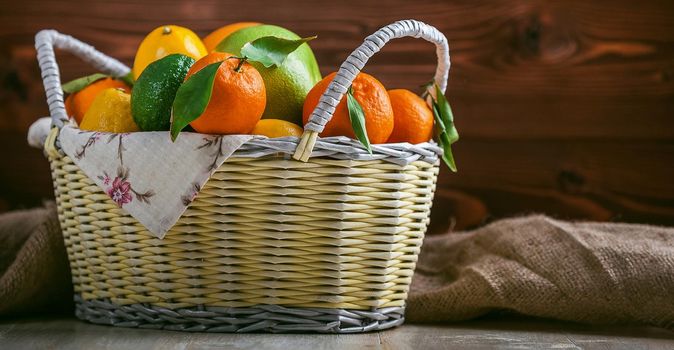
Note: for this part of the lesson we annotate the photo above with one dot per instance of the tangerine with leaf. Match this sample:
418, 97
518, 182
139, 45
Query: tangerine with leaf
372, 97
236, 101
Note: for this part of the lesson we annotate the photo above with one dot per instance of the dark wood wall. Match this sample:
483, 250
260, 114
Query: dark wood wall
564, 107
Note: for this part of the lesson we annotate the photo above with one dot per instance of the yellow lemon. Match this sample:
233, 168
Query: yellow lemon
273, 128
110, 112
164, 41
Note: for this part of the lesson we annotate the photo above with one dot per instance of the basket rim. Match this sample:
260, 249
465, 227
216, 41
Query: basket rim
336, 147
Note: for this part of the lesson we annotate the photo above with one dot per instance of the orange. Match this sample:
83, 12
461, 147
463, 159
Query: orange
212, 40
273, 128
238, 98
78, 103
413, 118
371, 95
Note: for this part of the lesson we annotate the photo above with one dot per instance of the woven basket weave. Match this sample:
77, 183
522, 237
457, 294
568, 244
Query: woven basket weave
325, 244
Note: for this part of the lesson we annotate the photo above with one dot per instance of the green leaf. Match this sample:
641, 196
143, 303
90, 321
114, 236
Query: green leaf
426, 88
446, 115
443, 138
444, 127
271, 50
128, 79
448, 158
78, 84
192, 98
357, 117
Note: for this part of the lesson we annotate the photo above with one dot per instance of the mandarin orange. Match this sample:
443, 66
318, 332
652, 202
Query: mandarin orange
238, 98
413, 118
371, 95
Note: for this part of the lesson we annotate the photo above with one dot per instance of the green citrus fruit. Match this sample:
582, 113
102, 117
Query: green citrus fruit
153, 93
288, 85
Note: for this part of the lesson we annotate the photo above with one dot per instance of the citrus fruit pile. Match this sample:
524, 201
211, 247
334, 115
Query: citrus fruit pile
248, 78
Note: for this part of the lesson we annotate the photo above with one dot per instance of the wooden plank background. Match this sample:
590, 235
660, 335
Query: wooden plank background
564, 107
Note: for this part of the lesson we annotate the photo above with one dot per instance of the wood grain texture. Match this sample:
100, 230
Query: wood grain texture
492, 333
564, 107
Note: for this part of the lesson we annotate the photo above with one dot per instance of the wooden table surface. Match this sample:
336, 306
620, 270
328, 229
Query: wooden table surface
61, 332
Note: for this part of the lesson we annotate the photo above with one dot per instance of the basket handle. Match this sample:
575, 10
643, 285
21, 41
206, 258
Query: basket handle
355, 63
45, 42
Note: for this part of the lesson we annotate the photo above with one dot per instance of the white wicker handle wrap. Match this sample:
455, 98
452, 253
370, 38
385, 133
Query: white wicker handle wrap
45, 41
355, 63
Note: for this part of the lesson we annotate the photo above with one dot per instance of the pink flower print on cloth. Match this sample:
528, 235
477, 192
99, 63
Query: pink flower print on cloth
146, 174
120, 192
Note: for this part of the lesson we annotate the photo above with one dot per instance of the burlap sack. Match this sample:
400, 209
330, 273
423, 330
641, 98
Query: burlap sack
585, 272
34, 273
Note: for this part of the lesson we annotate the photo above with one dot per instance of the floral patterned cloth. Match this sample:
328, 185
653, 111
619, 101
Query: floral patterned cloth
151, 177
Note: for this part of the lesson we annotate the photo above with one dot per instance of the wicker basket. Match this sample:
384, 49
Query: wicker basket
325, 244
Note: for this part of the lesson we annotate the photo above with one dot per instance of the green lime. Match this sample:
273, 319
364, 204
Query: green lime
288, 85
153, 93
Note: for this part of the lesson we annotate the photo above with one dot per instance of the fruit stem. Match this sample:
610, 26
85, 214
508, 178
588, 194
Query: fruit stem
242, 60
166, 30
